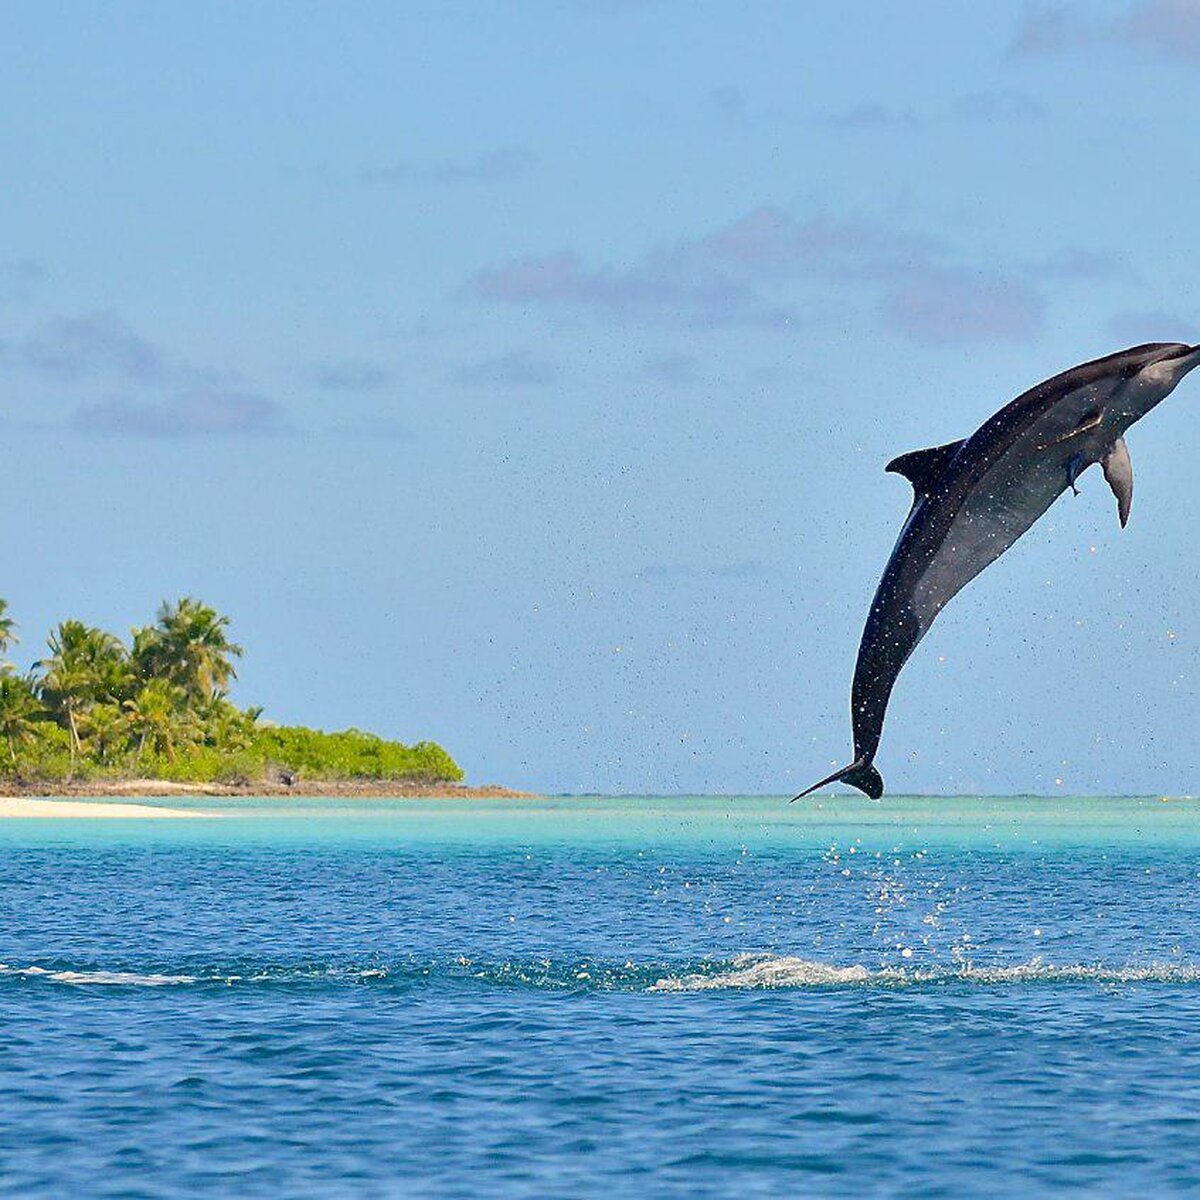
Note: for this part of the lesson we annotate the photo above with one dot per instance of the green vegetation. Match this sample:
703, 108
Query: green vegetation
96, 708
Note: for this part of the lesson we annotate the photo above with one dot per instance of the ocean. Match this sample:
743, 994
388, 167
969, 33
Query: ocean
685, 996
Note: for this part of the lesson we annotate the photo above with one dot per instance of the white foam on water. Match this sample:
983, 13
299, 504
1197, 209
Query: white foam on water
107, 978
757, 971
279, 975
775, 971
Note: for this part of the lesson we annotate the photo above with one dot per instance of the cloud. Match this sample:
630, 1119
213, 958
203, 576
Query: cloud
998, 106
875, 116
769, 243
97, 344
1133, 327
651, 288
350, 375
953, 306
982, 107
729, 102
1051, 31
1077, 263
497, 166
20, 278
516, 369
188, 414
670, 368
1163, 29
771, 270
726, 278
101, 347
1166, 28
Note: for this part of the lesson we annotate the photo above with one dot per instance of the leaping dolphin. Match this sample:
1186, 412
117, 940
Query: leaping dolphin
974, 498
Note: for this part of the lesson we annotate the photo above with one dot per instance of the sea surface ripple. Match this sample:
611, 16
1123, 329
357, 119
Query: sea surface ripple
622, 996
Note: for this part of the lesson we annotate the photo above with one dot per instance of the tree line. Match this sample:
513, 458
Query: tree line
159, 706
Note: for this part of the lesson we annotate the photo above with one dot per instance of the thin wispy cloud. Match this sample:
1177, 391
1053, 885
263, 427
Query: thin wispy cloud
93, 345
1166, 28
1076, 263
729, 277
940, 306
875, 116
1052, 30
1004, 105
157, 394
771, 270
350, 375
1163, 29
101, 347
987, 107
189, 414
729, 102
496, 166
1132, 327
672, 369
518, 369
660, 288
20, 278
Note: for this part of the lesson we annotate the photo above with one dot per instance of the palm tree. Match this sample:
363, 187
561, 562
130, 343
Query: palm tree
106, 728
156, 717
7, 628
19, 710
188, 646
145, 651
86, 666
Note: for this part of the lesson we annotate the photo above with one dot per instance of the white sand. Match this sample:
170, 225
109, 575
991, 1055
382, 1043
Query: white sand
19, 806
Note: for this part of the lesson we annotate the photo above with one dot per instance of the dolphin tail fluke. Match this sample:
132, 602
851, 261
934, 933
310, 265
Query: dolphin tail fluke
860, 774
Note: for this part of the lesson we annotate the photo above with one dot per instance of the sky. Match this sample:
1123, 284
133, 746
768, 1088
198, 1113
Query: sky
521, 376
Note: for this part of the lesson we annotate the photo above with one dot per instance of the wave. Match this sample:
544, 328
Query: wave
108, 978
761, 971
105, 977
743, 972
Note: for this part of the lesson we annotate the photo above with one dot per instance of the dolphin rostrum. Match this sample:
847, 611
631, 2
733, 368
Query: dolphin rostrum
973, 499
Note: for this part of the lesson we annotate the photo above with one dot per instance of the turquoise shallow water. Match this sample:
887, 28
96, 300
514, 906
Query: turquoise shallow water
684, 996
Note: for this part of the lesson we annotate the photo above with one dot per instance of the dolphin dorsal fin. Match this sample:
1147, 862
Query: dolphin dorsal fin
922, 467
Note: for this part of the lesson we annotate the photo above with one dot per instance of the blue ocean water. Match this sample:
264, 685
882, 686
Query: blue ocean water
576, 997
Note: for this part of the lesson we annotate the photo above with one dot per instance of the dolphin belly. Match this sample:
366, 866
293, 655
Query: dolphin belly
991, 519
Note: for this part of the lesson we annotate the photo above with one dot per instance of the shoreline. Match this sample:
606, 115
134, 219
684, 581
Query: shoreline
22, 808
381, 789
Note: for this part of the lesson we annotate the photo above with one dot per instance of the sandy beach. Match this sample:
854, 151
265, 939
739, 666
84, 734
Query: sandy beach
382, 789
21, 806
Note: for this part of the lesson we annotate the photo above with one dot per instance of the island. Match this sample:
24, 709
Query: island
152, 716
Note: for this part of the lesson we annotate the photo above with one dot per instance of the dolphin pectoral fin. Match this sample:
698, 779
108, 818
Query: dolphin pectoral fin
1075, 467
1118, 470
1086, 424
860, 774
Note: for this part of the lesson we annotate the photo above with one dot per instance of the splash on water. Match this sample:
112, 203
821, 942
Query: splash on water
760, 971
775, 971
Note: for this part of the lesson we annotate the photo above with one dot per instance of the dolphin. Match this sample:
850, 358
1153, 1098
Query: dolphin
972, 499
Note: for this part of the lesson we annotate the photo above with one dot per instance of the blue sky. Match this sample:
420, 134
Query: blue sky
521, 376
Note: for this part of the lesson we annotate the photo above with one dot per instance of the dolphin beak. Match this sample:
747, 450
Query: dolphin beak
1189, 359
1179, 361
